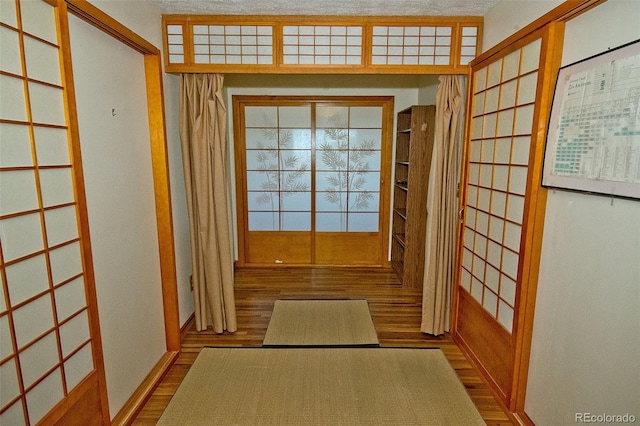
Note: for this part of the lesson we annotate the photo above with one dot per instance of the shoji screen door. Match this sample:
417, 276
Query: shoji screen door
49, 340
498, 252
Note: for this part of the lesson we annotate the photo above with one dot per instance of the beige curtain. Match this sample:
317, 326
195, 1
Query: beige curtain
203, 133
443, 217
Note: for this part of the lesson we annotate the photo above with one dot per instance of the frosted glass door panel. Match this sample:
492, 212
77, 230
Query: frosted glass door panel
278, 168
348, 161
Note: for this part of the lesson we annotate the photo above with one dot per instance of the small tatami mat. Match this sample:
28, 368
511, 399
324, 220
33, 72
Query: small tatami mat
321, 322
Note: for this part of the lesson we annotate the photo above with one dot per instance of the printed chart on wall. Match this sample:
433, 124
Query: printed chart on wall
593, 142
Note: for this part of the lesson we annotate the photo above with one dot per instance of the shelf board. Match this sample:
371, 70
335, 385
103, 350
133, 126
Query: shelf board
399, 238
401, 212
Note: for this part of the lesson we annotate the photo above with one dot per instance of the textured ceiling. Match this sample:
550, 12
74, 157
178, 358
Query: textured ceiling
328, 7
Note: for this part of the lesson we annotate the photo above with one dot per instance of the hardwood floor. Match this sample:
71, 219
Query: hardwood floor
396, 314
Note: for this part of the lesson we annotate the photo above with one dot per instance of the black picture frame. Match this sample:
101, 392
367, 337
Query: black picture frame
593, 137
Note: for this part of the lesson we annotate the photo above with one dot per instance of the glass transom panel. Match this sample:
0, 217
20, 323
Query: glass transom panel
230, 44
322, 45
273, 41
175, 44
411, 45
468, 44
348, 168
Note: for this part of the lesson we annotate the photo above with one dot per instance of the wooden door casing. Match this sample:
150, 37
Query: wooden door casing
313, 245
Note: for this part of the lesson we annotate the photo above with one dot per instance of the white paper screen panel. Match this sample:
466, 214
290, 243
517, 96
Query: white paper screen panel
45, 344
501, 130
233, 44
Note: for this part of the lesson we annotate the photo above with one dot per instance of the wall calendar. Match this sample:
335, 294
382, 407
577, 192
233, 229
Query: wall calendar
593, 140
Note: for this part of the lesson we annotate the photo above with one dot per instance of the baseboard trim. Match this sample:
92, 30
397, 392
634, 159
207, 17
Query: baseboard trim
521, 418
486, 378
187, 325
134, 405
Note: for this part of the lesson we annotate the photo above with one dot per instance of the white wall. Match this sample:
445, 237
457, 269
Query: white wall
178, 198
118, 176
145, 20
586, 344
404, 88
586, 337
117, 168
428, 89
509, 16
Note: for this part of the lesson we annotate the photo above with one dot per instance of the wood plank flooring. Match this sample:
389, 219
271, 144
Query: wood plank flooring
396, 314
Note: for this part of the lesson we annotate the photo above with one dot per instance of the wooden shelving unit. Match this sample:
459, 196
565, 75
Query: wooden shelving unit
414, 148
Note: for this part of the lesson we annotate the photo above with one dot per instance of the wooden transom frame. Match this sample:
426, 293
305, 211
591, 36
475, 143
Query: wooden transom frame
427, 52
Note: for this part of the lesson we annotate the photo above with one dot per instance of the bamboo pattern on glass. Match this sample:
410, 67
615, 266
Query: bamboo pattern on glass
283, 172
350, 164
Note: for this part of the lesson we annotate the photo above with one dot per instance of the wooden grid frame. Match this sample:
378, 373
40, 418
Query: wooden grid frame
411, 45
232, 44
501, 133
322, 45
468, 44
47, 305
325, 44
502, 202
62, 313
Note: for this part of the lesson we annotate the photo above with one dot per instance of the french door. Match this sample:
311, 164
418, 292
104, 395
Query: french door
312, 179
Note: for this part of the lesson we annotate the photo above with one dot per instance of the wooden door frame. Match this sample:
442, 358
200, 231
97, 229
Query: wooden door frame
164, 221
385, 166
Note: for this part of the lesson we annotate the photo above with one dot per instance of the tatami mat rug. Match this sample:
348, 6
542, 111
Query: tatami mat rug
330, 322
321, 386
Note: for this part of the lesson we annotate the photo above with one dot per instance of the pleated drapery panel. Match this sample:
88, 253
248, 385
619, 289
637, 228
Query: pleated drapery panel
443, 212
203, 134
